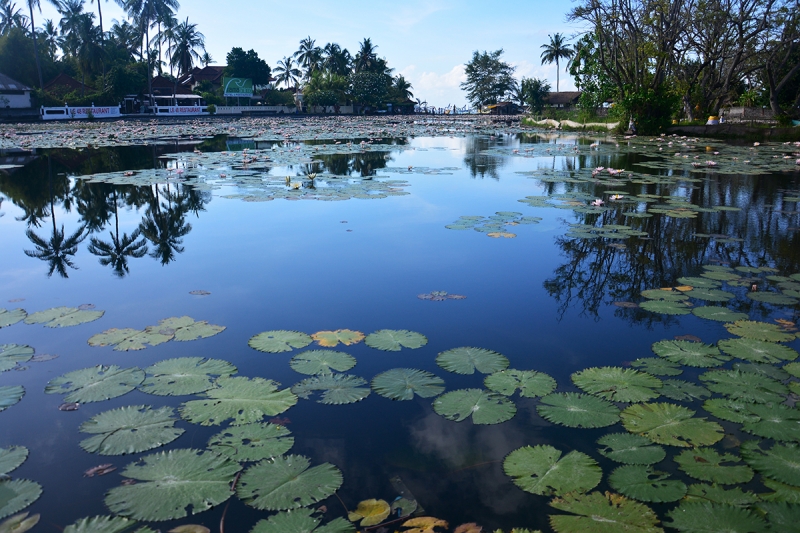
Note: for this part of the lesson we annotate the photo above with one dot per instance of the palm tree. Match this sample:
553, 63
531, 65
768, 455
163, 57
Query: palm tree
366, 57
403, 88
10, 17
555, 51
71, 12
286, 72
37, 4
99, 17
184, 49
336, 59
166, 22
49, 34
115, 253
88, 48
206, 58
126, 36
309, 55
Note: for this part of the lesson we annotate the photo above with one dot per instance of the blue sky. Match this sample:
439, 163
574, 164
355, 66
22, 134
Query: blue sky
428, 41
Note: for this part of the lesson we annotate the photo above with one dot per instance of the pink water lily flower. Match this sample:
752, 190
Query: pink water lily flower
597, 202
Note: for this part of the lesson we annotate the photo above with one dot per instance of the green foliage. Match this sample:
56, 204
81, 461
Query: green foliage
278, 97
645, 484
369, 88
130, 429
534, 91
599, 513
713, 517
287, 482
488, 78
651, 110
484, 407
542, 470
241, 64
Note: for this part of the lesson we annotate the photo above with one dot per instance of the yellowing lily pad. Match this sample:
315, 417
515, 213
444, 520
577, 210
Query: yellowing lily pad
370, 512
329, 339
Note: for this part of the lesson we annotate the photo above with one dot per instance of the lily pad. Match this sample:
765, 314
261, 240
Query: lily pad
578, 410
757, 351
404, 383
11, 458
710, 295
12, 354
336, 389
702, 492
9, 317
19, 523
184, 375
128, 339
96, 384
10, 395
188, 329
761, 331
17, 494
287, 482
173, 484
720, 275
466, 360
720, 314
744, 386
329, 339
301, 521
657, 366
315, 362
706, 464
630, 449
705, 517
62, 317
280, 340
244, 400
683, 391
252, 442
700, 283
370, 512
393, 340
618, 384
781, 492
101, 524
542, 470
665, 307
645, 484
667, 295
130, 429
484, 407
670, 424
774, 298
774, 421
728, 409
598, 513
531, 384
687, 353
781, 462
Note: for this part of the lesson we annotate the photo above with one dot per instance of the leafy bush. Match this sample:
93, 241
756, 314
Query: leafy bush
650, 110
275, 97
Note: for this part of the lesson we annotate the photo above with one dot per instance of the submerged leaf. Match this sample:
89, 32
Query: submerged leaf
484, 407
670, 424
618, 384
706, 464
17, 494
184, 375
96, 384
130, 429
466, 360
403, 383
252, 442
630, 449
542, 470
578, 410
645, 484
531, 384
598, 513
279, 341
393, 340
243, 399
690, 353
329, 339
315, 362
19, 523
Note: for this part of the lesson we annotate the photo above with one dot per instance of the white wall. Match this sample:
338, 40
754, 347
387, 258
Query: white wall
16, 101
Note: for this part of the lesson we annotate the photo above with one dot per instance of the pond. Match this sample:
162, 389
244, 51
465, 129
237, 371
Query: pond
465, 320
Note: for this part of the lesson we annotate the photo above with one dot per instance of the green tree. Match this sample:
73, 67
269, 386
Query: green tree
18, 58
556, 51
336, 59
243, 64
185, 47
590, 78
369, 88
287, 72
366, 58
400, 90
534, 92
325, 89
488, 78
309, 56
10, 17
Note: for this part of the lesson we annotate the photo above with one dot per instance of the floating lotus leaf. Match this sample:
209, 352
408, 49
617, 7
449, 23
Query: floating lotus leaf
531, 384
774, 298
665, 307
706, 464
760, 331
542, 470
700, 283
687, 353
101, 524
128, 339
484, 407
578, 410
683, 391
403, 383
781, 462
130, 429
392, 340
252, 442
757, 351
17, 494
424, 524
745, 386
185, 328
731, 410
774, 421
645, 484
287, 482
11, 354
279, 341
792, 368
11, 458
701, 492
315, 362
301, 521
62, 317
9, 317
705, 517
710, 295
336, 389
782, 492
10, 395
720, 314
184, 375
598, 513
657, 366
244, 400
720, 276
403, 507
370, 512
763, 369
618, 384
96, 384
667, 295
19, 523
173, 484
466, 360
670, 424
329, 339
630, 449
782, 516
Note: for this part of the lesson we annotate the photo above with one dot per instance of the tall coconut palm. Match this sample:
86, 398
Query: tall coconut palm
286, 72
166, 21
37, 4
336, 59
89, 50
10, 17
555, 51
185, 47
71, 12
206, 58
402, 88
308, 56
99, 17
49, 34
115, 253
366, 57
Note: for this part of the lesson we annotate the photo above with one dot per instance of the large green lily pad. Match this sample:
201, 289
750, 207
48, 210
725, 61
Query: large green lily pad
670, 424
706, 464
745, 386
393, 340
62, 317
96, 384
173, 484
186, 328
530, 383
760, 331
702, 492
688, 353
101, 524
9, 317
618, 384
542, 470
252, 442
705, 517
781, 462
313, 362
404, 383
657, 366
484, 407
757, 351
287, 482
130, 429
301, 521
720, 314
781, 492
466, 360
774, 298
729, 409
184, 375
642, 483
710, 295
598, 513
666, 307
578, 410
773, 421
630, 449
280, 340
17, 494
9, 395
335, 389
128, 339
11, 458
13, 354
683, 391
244, 400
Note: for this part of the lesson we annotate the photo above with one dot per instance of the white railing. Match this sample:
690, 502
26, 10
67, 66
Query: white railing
69, 113
181, 110
239, 109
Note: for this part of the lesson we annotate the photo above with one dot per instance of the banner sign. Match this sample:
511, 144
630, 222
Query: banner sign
63, 113
237, 87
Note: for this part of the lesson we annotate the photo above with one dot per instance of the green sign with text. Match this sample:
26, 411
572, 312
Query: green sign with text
237, 86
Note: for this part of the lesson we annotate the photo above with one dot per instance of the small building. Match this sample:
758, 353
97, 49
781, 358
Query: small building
210, 73
563, 99
62, 85
503, 108
13, 94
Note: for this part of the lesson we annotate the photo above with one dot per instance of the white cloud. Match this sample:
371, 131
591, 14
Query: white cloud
436, 88
526, 69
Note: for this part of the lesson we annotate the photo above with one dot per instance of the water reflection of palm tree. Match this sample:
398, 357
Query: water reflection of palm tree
115, 253
165, 226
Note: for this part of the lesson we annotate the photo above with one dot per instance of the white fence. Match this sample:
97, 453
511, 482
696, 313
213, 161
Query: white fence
69, 113
181, 110
239, 109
